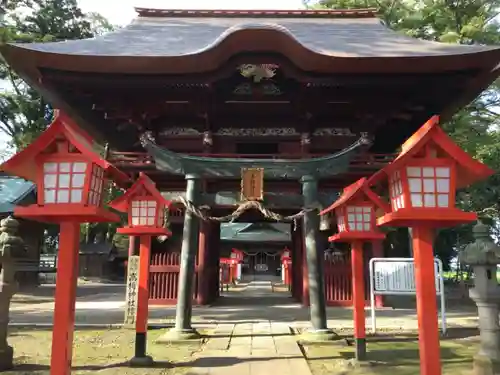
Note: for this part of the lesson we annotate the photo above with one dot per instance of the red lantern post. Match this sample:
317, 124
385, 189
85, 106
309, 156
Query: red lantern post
70, 178
230, 263
286, 266
146, 217
356, 222
239, 255
422, 182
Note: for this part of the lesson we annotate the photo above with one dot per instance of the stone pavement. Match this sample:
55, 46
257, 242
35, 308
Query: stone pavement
258, 348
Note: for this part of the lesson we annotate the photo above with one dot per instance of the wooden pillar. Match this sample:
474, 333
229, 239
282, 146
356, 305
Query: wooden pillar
293, 254
65, 297
131, 245
203, 266
141, 323
427, 313
305, 279
378, 252
358, 299
214, 261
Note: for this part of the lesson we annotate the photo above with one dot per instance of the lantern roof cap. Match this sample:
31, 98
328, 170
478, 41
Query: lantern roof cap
142, 183
22, 165
355, 191
469, 170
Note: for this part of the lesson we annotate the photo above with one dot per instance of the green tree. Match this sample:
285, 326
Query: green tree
23, 112
476, 127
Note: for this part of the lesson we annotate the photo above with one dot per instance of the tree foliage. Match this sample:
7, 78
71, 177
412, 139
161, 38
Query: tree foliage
475, 128
23, 112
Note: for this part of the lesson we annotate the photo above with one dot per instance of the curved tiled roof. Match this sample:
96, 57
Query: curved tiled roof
171, 33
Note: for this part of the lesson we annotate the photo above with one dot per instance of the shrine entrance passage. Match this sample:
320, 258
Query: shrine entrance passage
260, 265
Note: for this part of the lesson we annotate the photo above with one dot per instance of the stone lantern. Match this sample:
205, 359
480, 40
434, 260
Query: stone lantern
484, 255
11, 247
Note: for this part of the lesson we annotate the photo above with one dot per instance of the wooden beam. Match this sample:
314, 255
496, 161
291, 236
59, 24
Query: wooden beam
150, 81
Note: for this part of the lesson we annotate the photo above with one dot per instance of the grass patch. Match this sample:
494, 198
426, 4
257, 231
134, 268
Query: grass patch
399, 356
104, 351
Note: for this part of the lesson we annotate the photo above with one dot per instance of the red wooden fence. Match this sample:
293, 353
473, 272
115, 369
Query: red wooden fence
338, 281
164, 278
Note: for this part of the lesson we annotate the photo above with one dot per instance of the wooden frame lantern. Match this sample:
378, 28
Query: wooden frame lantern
422, 182
70, 175
423, 179
355, 212
145, 207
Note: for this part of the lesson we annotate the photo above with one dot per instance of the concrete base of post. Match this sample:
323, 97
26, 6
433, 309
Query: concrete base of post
145, 361
360, 345
175, 335
6, 358
317, 336
483, 365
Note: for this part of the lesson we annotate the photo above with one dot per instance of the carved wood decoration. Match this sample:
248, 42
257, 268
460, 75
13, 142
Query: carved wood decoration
252, 184
132, 289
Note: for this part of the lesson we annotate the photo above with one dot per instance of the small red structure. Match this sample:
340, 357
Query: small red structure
70, 178
286, 267
146, 217
422, 181
237, 254
227, 270
356, 221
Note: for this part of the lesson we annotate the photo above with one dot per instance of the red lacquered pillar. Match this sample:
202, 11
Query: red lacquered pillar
65, 297
428, 330
358, 299
378, 252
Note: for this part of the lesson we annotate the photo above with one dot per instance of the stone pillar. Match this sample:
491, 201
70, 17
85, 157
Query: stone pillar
315, 264
484, 255
132, 288
190, 239
11, 246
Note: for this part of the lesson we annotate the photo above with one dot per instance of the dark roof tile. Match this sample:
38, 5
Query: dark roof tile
190, 35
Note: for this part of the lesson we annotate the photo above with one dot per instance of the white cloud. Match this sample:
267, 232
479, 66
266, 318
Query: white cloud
124, 12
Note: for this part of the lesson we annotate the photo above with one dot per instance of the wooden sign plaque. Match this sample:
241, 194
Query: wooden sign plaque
252, 184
